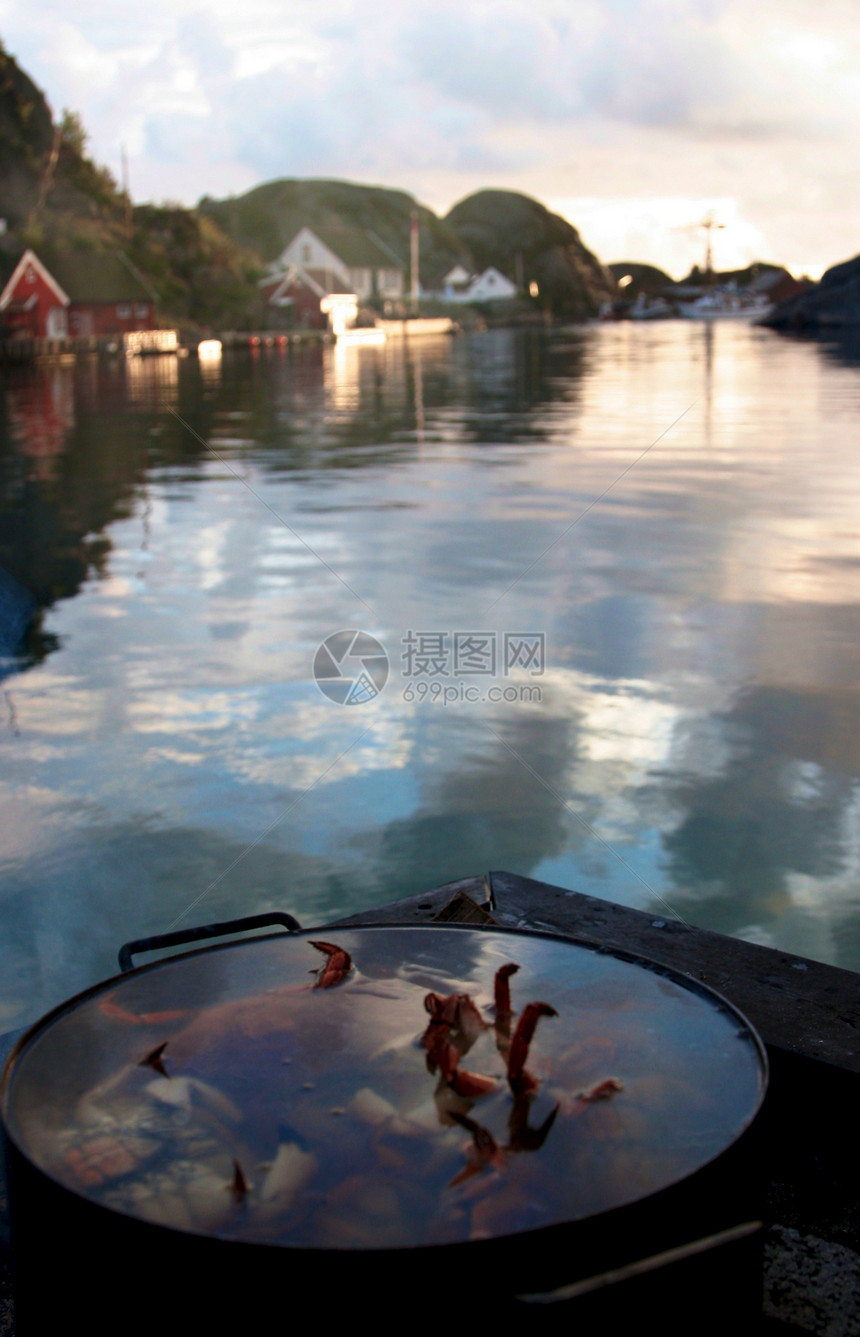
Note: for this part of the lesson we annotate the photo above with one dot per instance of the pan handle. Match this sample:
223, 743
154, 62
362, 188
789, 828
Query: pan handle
128, 949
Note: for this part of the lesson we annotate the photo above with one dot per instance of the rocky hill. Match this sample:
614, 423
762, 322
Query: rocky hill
500, 226
26, 140
494, 227
647, 279
269, 216
834, 302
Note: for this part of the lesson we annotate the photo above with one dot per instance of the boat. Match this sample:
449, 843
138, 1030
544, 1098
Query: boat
724, 305
651, 308
362, 335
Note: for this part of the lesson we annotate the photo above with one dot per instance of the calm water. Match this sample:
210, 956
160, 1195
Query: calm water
696, 745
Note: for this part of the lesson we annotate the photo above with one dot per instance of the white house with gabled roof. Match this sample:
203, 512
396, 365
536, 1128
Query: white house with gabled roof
360, 261
491, 286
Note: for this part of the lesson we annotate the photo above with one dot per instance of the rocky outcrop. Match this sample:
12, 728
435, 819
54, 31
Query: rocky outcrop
520, 237
647, 279
832, 303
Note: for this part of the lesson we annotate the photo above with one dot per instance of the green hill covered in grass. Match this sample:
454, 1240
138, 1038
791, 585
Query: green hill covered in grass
269, 216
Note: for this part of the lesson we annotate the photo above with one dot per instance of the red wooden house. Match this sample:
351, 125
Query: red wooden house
82, 293
33, 302
292, 296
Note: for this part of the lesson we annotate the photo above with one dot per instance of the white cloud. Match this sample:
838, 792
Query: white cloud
612, 100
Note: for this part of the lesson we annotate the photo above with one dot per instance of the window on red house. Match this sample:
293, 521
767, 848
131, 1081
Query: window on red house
141, 310
123, 311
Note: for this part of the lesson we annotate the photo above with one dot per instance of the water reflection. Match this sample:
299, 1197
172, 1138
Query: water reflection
695, 741
153, 382
41, 413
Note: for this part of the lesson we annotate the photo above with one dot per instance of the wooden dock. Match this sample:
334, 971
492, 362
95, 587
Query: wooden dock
135, 343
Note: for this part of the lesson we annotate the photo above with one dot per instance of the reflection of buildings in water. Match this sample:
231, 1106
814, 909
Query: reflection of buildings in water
152, 381
342, 375
418, 387
41, 413
209, 361
394, 365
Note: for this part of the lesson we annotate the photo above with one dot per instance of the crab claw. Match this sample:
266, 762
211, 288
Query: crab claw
458, 1012
443, 1011
336, 968
522, 1082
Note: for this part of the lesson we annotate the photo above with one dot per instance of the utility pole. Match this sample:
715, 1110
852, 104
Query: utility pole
709, 224
413, 257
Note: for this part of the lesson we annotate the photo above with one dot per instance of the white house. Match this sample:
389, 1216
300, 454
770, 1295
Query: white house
458, 277
359, 261
491, 286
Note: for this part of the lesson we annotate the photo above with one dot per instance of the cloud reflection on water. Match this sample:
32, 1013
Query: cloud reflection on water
700, 704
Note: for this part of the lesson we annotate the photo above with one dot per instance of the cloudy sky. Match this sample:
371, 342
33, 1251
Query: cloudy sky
633, 118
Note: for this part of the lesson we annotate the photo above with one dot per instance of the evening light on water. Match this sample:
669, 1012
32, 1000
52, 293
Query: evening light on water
691, 745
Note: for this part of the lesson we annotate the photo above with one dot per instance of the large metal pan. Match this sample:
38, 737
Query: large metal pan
204, 1139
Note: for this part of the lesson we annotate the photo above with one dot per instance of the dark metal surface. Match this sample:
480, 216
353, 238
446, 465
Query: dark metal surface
807, 1130
202, 933
57, 1229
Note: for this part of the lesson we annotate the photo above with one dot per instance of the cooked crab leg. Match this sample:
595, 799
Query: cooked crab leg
470, 1085
454, 1025
336, 968
521, 1081
502, 990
